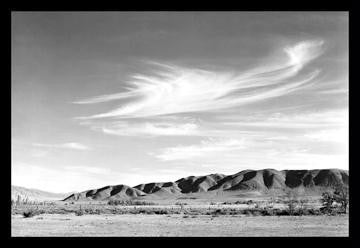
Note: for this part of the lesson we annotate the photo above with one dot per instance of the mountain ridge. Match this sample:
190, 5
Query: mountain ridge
35, 194
246, 180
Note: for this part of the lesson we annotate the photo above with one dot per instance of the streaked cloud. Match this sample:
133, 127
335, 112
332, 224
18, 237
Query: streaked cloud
153, 102
150, 129
324, 119
70, 145
173, 89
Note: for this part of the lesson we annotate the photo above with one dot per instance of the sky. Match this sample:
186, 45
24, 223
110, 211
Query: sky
106, 98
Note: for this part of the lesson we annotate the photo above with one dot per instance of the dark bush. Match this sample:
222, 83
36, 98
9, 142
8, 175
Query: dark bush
247, 212
240, 202
186, 197
115, 202
268, 212
256, 212
30, 213
79, 212
162, 211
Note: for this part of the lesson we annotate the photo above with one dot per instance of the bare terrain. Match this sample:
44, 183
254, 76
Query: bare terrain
249, 203
178, 225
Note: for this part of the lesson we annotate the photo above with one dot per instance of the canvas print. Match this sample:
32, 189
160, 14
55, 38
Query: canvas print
197, 123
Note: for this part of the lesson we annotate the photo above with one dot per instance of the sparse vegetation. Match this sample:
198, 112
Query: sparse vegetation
186, 198
31, 212
335, 201
219, 207
115, 202
161, 211
292, 200
21, 201
79, 212
249, 211
249, 202
291, 205
341, 194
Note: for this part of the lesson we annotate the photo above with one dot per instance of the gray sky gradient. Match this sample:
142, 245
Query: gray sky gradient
101, 98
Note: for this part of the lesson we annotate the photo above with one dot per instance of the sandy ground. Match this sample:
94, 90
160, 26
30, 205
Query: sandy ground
177, 225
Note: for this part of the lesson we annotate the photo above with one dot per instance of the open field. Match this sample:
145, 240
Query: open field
178, 225
196, 201
188, 207
193, 215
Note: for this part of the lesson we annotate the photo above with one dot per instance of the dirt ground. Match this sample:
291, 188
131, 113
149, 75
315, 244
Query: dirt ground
178, 225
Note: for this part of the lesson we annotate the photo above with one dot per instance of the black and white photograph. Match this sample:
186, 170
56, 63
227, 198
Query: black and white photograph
179, 123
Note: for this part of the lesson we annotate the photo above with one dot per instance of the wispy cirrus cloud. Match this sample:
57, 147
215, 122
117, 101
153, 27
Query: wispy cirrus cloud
325, 119
70, 145
174, 89
151, 129
300, 151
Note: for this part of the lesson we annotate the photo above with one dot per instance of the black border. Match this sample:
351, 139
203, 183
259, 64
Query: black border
216, 241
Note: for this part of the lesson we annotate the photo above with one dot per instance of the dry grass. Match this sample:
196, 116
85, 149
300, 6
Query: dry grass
91, 209
254, 218
179, 225
114, 202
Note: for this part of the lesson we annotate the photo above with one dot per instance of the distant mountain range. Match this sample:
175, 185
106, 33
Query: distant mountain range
35, 194
247, 180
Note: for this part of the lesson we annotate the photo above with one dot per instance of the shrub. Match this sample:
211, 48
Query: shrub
115, 202
256, 212
327, 200
91, 211
339, 195
279, 212
292, 200
162, 211
79, 212
186, 197
240, 202
249, 202
282, 212
30, 213
246, 212
267, 212
219, 211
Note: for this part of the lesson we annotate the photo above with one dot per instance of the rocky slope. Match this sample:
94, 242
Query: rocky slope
247, 180
108, 192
